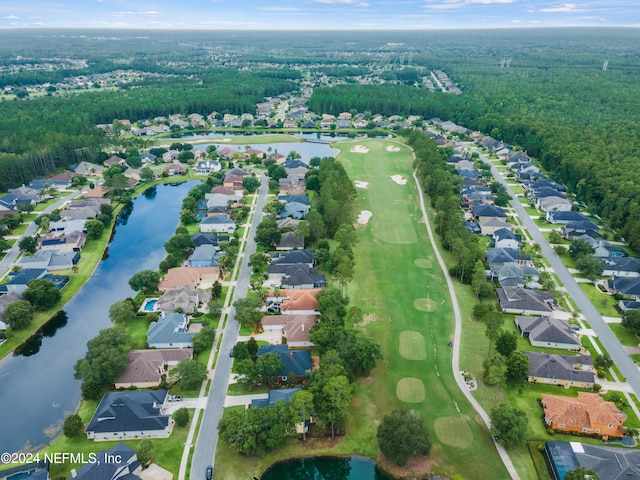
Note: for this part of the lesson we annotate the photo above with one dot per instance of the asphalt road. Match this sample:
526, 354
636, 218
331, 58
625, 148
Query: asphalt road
14, 251
207, 441
597, 323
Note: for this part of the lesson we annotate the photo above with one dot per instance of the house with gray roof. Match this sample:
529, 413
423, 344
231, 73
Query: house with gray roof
206, 167
296, 361
134, 414
301, 275
566, 370
123, 465
505, 238
525, 302
208, 239
185, 297
514, 275
50, 260
485, 212
5, 300
627, 287
170, 331
18, 280
217, 223
67, 226
621, 267
547, 332
565, 217
205, 256
279, 261
610, 463
282, 395
86, 168
220, 200
290, 241
578, 228
489, 226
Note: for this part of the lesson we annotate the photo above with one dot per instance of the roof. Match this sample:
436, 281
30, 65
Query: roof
495, 222
567, 216
290, 240
148, 365
185, 297
561, 367
284, 394
236, 171
625, 286
216, 220
547, 329
223, 190
203, 253
170, 328
5, 300
488, 211
523, 299
101, 470
25, 275
298, 299
207, 239
585, 411
582, 225
293, 257
302, 274
505, 234
129, 412
303, 199
298, 361
612, 463
622, 264
176, 277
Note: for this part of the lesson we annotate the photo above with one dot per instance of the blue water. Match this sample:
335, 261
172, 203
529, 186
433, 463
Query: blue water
37, 391
326, 468
150, 305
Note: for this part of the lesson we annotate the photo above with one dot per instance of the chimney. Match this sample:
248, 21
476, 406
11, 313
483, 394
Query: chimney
302, 327
291, 356
74, 473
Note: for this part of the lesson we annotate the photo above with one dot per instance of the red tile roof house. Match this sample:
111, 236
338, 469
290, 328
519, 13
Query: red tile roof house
589, 414
294, 327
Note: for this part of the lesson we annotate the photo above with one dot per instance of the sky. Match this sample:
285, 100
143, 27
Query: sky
316, 14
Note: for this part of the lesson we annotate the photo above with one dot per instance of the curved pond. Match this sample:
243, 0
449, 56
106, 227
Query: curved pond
37, 388
326, 468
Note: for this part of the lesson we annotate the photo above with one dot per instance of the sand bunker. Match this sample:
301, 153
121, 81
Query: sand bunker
410, 390
364, 216
391, 148
359, 149
360, 184
399, 179
221, 140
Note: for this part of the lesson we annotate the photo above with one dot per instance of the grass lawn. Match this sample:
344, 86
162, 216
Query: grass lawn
603, 303
626, 336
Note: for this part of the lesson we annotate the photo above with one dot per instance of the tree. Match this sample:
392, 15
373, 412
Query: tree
359, 352
602, 362
106, 357
252, 347
5, 245
590, 266
41, 293
506, 343
145, 450
181, 417
259, 262
248, 311
121, 312
517, 367
581, 473
403, 434
145, 281
509, 425
186, 156
247, 372
302, 409
203, 340
18, 314
631, 319
580, 248
73, 426
94, 229
555, 237
191, 373
240, 351
146, 174
215, 308
216, 290
494, 328
338, 392
354, 315
481, 287
179, 244
28, 244
250, 184
269, 366
267, 233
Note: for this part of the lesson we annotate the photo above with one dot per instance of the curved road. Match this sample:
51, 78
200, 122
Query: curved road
207, 441
611, 343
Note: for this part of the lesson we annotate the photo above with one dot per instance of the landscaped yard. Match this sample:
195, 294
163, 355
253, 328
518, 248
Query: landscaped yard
603, 303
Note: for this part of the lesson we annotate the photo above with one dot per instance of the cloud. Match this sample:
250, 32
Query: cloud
279, 9
11, 17
563, 8
364, 4
149, 13
121, 14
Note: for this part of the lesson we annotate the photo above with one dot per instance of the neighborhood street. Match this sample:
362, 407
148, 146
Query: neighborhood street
598, 325
206, 443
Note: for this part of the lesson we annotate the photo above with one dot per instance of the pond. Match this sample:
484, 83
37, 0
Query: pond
37, 388
326, 468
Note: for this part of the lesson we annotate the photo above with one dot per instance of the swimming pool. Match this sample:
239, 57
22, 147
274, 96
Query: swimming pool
149, 305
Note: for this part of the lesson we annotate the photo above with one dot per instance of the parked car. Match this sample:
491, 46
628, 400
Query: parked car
174, 398
231, 352
209, 472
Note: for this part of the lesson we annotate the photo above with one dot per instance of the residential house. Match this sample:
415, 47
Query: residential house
525, 302
544, 182
193, 276
566, 370
205, 256
279, 262
148, 158
132, 174
621, 267
326, 124
146, 368
21, 195
601, 248
514, 275
360, 123
589, 414
97, 192
505, 238
301, 275
519, 157
629, 288
239, 172
343, 123
296, 302
71, 242
58, 184
473, 227
83, 213
50, 260
185, 298
228, 153
548, 332
5, 300
217, 223
67, 226
565, 217
295, 328
486, 212
489, 226
115, 160
219, 199
296, 206
297, 362
220, 190
288, 223
554, 204
86, 168
579, 228
18, 280
281, 395
611, 463
290, 241
175, 169
170, 156
170, 331
206, 167
208, 239
218, 210
135, 414
234, 182
123, 464
498, 257
27, 471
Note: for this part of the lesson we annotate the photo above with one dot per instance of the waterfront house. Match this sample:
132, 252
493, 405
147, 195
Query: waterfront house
170, 331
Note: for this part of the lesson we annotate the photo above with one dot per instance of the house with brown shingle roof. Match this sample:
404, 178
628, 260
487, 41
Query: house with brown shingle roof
295, 328
297, 302
145, 368
589, 414
223, 190
180, 276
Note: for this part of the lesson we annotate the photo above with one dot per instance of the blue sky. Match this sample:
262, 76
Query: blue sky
317, 14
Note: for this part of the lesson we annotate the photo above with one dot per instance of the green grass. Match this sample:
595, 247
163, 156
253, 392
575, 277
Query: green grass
238, 389
19, 230
626, 336
603, 303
